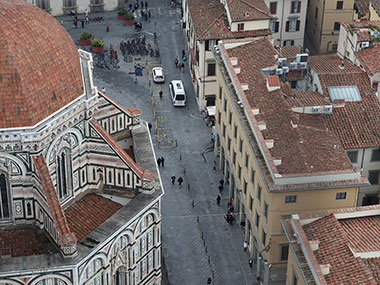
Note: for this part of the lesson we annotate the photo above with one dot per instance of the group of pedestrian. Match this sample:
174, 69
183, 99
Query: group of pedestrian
161, 161
230, 216
179, 65
221, 183
179, 180
86, 19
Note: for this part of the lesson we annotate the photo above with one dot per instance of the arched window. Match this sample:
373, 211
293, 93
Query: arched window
64, 175
55, 281
43, 4
4, 197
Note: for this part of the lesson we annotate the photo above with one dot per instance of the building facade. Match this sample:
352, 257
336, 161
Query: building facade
80, 193
64, 7
323, 22
288, 21
276, 159
204, 24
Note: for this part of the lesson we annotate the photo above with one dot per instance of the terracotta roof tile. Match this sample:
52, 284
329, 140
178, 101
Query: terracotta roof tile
39, 65
273, 80
288, 52
66, 237
89, 213
246, 10
21, 243
363, 6
369, 59
117, 148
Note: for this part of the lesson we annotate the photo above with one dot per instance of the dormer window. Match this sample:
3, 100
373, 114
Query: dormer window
241, 27
4, 197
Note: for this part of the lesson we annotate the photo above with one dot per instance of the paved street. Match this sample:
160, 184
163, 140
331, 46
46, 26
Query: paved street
197, 242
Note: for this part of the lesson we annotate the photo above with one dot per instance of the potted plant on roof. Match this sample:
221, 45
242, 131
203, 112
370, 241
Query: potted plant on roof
122, 14
85, 38
129, 18
97, 45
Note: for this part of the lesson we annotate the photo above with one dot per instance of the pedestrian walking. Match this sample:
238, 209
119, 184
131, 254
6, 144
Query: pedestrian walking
220, 189
221, 182
146, 5
159, 161
258, 280
242, 223
161, 94
183, 66
218, 199
173, 179
245, 245
214, 165
180, 180
227, 217
176, 61
149, 14
162, 161
75, 22
86, 12
87, 20
209, 280
82, 21
183, 53
107, 27
250, 262
150, 126
142, 5
179, 67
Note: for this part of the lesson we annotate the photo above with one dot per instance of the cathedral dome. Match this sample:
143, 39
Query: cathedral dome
39, 65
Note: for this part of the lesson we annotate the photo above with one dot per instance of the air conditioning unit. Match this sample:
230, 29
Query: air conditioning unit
364, 44
293, 65
285, 69
303, 65
316, 109
279, 71
328, 109
302, 57
281, 62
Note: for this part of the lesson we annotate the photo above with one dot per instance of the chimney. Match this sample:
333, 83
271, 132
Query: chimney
234, 61
255, 111
237, 70
294, 123
277, 161
269, 143
244, 86
262, 125
273, 83
314, 244
325, 268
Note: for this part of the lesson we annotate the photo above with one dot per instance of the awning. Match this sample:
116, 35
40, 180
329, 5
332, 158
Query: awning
211, 110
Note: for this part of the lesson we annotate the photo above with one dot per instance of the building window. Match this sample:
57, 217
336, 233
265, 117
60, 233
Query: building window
353, 156
69, 3
219, 117
341, 195
250, 202
253, 177
225, 105
234, 158
289, 43
245, 187
339, 5
259, 192
257, 220
43, 4
230, 118
334, 46
266, 208
273, 7
316, 13
241, 27
274, 26
292, 25
64, 173
294, 279
211, 69
4, 198
96, 2
220, 92
375, 155
240, 145
229, 144
291, 199
373, 177
235, 131
224, 130
284, 252
336, 26
264, 237
239, 172
246, 160
296, 7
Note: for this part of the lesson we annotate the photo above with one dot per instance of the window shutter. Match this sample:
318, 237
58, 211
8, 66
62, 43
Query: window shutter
292, 7
277, 27
298, 25
299, 7
287, 26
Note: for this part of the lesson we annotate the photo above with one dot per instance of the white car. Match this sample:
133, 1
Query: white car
158, 75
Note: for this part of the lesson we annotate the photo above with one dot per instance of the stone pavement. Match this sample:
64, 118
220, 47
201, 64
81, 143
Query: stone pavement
197, 242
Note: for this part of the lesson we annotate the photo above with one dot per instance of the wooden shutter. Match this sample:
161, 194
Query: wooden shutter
299, 7
277, 27
298, 25
287, 26
292, 7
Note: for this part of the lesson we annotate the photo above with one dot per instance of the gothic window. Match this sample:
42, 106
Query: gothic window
128, 179
51, 281
4, 197
64, 174
29, 209
96, 2
43, 4
69, 3
93, 174
119, 178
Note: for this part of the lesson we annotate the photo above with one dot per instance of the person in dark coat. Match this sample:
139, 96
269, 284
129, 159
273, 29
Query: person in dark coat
220, 188
173, 179
218, 199
221, 182
162, 161
180, 180
159, 161
146, 5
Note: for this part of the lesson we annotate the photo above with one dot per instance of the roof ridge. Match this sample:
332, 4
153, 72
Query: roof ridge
254, 7
115, 146
212, 23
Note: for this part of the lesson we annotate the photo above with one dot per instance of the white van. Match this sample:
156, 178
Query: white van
177, 91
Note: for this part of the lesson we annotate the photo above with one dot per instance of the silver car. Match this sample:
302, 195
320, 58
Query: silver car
158, 75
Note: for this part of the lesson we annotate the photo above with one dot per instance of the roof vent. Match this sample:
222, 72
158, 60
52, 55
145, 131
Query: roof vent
325, 268
237, 70
314, 244
244, 86
269, 143
256, 111
273, 82
234, 61
262, 126
341, 66
294, 123
277, 161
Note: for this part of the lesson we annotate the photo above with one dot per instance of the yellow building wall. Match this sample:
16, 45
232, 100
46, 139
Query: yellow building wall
307, 201
373, 16
293, 270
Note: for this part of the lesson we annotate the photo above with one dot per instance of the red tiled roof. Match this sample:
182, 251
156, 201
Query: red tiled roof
89, 213
303, 99
66, 237
357, 123
117, 148
248, 10
369, 59
363, 6
273, 80
288, 52
316, 153
39, 65
20, 243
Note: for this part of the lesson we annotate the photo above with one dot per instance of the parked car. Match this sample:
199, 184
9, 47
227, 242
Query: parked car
158, 75
177, 92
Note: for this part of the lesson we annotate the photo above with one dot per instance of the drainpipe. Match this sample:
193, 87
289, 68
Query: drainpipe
323, 17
